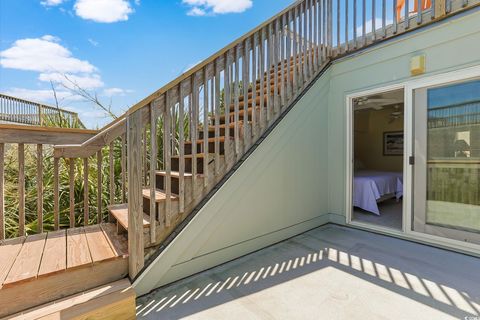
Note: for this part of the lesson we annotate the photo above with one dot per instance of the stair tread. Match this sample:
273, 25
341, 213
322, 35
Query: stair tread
221, 139
199, 155
160, 195
120, 213
175, 174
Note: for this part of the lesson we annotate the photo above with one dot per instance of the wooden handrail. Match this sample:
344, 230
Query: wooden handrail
12, 109
11, 133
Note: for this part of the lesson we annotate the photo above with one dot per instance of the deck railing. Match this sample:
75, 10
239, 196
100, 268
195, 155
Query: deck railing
16, 110
213, 114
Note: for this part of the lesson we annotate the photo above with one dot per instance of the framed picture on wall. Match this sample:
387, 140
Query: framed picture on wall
393, 143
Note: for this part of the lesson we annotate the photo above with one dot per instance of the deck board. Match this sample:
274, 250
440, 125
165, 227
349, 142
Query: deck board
27, 263
99, 247
9, 250
78, 253
55, 253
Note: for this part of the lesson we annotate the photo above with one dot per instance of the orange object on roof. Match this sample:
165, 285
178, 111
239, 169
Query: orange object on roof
426, 4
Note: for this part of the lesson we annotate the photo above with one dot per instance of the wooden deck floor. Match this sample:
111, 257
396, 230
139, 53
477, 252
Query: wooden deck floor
44, 267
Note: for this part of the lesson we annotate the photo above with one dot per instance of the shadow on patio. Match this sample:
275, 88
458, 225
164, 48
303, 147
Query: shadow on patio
328, 269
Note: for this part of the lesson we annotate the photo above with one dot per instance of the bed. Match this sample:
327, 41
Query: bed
371, 187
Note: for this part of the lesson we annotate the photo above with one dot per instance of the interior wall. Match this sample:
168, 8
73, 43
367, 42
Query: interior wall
369, 129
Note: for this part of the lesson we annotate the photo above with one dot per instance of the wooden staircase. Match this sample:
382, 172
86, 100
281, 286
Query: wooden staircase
226, 139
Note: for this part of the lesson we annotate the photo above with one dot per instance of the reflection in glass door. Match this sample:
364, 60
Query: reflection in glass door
447, 161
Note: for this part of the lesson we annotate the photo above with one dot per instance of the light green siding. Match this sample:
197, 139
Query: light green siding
296, 178
278, 192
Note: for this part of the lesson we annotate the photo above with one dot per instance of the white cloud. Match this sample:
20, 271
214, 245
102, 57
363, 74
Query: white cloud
93, 42
196, 11
106, 11
42, 95
51, 3
202, 7
43, 54
110, 92
85, 81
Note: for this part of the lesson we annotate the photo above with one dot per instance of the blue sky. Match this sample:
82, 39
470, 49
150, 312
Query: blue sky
121, 49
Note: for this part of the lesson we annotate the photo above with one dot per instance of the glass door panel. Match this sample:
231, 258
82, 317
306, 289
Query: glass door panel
447, 161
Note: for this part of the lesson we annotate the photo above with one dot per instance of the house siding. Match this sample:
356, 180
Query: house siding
296, 179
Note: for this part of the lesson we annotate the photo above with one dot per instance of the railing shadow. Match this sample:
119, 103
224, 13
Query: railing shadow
436, 278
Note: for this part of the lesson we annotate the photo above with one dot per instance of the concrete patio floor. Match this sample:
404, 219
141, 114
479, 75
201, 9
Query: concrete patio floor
330, 272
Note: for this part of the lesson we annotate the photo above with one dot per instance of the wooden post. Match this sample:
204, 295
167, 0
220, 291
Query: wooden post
153, 168
40, 187
2, 199
99, 186
86, 215
135, 203
71, 176
439, 9
21, 189
56, 191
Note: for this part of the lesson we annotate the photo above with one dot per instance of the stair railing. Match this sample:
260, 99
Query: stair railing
234, 96
16, 110
26, 163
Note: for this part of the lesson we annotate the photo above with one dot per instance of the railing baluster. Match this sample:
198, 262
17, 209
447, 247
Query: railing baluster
56, 196
283, 60
216, 111
419, 11
227, 101
395, 18
374, 15
407, 11
305, 42
346, 26
301, 48
205, 128
276, 48
181, 149
85, 192
123, 164
339, 48
355, 23
236, 96
384, 18
269, 80
315, 36
254, 125
2, 187
21, 189
71, 176
40, 187
261, 54
168, 158
194, 120
311, 44
111, 174
364, 22
99, 186
289, 56
153, 170
324, 31
295, 52
246, 83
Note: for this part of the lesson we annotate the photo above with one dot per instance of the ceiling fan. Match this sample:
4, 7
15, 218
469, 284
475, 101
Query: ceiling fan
375, 102
396, 114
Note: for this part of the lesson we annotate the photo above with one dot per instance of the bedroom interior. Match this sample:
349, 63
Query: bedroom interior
378, 159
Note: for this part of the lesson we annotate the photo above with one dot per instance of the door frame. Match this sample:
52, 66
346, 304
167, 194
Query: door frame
409, 86
349, 157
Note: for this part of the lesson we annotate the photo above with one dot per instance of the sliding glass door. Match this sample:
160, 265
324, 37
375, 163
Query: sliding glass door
446, 191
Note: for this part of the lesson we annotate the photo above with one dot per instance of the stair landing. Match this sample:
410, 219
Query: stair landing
44, 267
